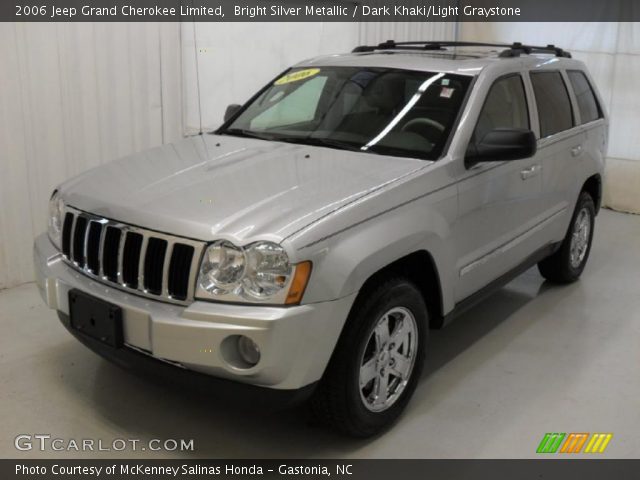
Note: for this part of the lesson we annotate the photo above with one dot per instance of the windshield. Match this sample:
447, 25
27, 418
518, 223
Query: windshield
386, 111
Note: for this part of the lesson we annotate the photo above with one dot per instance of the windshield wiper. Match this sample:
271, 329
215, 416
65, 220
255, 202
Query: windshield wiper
319, 142
239, 132
314, 141
397, 152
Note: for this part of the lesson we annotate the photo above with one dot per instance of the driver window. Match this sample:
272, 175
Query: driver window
505, 107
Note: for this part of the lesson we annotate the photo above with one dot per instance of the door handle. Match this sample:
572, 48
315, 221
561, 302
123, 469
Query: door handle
530, 172
575, 151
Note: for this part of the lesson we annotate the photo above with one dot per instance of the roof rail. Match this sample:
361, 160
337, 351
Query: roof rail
514, 50
517, 49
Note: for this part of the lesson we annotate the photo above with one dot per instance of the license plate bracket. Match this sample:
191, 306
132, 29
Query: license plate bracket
96, 318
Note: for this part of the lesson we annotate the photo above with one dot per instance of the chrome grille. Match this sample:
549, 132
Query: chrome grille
134, 259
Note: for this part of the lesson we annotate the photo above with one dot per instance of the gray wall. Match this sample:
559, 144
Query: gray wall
72, 96
227, 62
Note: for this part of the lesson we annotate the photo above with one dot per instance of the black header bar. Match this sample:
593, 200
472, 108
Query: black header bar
320, 10
548, 469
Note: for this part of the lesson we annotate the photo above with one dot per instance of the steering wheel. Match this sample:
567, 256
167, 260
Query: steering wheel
434, 129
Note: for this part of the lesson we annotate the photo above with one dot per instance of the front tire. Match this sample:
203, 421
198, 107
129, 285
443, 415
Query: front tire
378, 360
566, 265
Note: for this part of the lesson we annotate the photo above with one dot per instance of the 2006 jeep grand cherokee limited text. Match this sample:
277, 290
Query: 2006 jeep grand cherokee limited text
306, 247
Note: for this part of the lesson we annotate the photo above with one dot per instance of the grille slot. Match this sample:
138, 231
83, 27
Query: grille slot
66, 234
93, 247
179, 270
79, 237
148, 263
131, 259
110, 253
153, 265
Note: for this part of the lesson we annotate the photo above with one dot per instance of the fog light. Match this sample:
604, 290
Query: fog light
249, 350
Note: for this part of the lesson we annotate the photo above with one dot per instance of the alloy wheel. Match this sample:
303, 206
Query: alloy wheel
388, 359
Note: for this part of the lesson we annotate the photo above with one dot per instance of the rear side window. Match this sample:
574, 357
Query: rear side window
552, 99
505, 107
587, 103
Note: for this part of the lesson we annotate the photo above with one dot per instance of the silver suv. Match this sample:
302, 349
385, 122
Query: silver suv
306, 247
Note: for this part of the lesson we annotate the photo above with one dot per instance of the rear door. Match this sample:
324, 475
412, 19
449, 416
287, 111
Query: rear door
560, 148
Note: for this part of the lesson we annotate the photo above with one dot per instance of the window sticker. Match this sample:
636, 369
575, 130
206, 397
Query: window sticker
296, 76
447, 92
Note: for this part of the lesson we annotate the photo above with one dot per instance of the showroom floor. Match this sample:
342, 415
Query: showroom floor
534, 358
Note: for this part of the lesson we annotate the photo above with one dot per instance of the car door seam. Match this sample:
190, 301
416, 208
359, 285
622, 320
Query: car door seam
505, 247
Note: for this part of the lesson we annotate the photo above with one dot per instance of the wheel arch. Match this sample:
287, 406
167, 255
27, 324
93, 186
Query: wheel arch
420, 268
593, 186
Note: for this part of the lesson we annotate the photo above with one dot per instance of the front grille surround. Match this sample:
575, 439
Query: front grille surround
118, 254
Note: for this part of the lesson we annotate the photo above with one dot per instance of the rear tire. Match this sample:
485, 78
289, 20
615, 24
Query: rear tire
566, 265
377, 362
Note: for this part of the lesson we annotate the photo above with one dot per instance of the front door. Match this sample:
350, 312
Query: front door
500, 203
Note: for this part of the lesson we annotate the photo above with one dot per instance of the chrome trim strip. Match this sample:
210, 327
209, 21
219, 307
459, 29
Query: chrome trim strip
123, 239
165, 269
72, 234
86, 241
146, 234
103, 233
143, 256
194, 271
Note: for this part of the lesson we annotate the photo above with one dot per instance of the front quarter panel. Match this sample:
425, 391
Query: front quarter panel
350, 245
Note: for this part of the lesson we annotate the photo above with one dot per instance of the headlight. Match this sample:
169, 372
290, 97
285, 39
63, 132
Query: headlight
222, 268
56, 219
269, 270
258, 273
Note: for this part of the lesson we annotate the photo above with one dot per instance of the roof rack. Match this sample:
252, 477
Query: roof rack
514, 50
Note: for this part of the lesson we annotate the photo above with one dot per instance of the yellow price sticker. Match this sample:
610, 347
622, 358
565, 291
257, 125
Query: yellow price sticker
297, 75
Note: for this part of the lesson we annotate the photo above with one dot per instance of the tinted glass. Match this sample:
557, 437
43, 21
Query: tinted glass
505, 107
374, 110
552, 99
587, 103
298, 107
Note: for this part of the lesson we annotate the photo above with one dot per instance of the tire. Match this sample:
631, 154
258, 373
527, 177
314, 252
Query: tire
566, 265
340, 401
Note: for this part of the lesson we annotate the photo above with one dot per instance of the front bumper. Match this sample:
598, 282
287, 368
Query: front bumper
296, 343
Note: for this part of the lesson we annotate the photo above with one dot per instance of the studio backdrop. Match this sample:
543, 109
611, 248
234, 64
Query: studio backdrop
74, 95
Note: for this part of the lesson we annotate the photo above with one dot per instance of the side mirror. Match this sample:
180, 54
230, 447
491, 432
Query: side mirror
502, 144
231, 111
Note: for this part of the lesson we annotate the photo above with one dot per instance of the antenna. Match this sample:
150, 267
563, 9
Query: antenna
195, 48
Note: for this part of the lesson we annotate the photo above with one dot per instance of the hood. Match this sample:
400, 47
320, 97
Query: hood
210, 186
